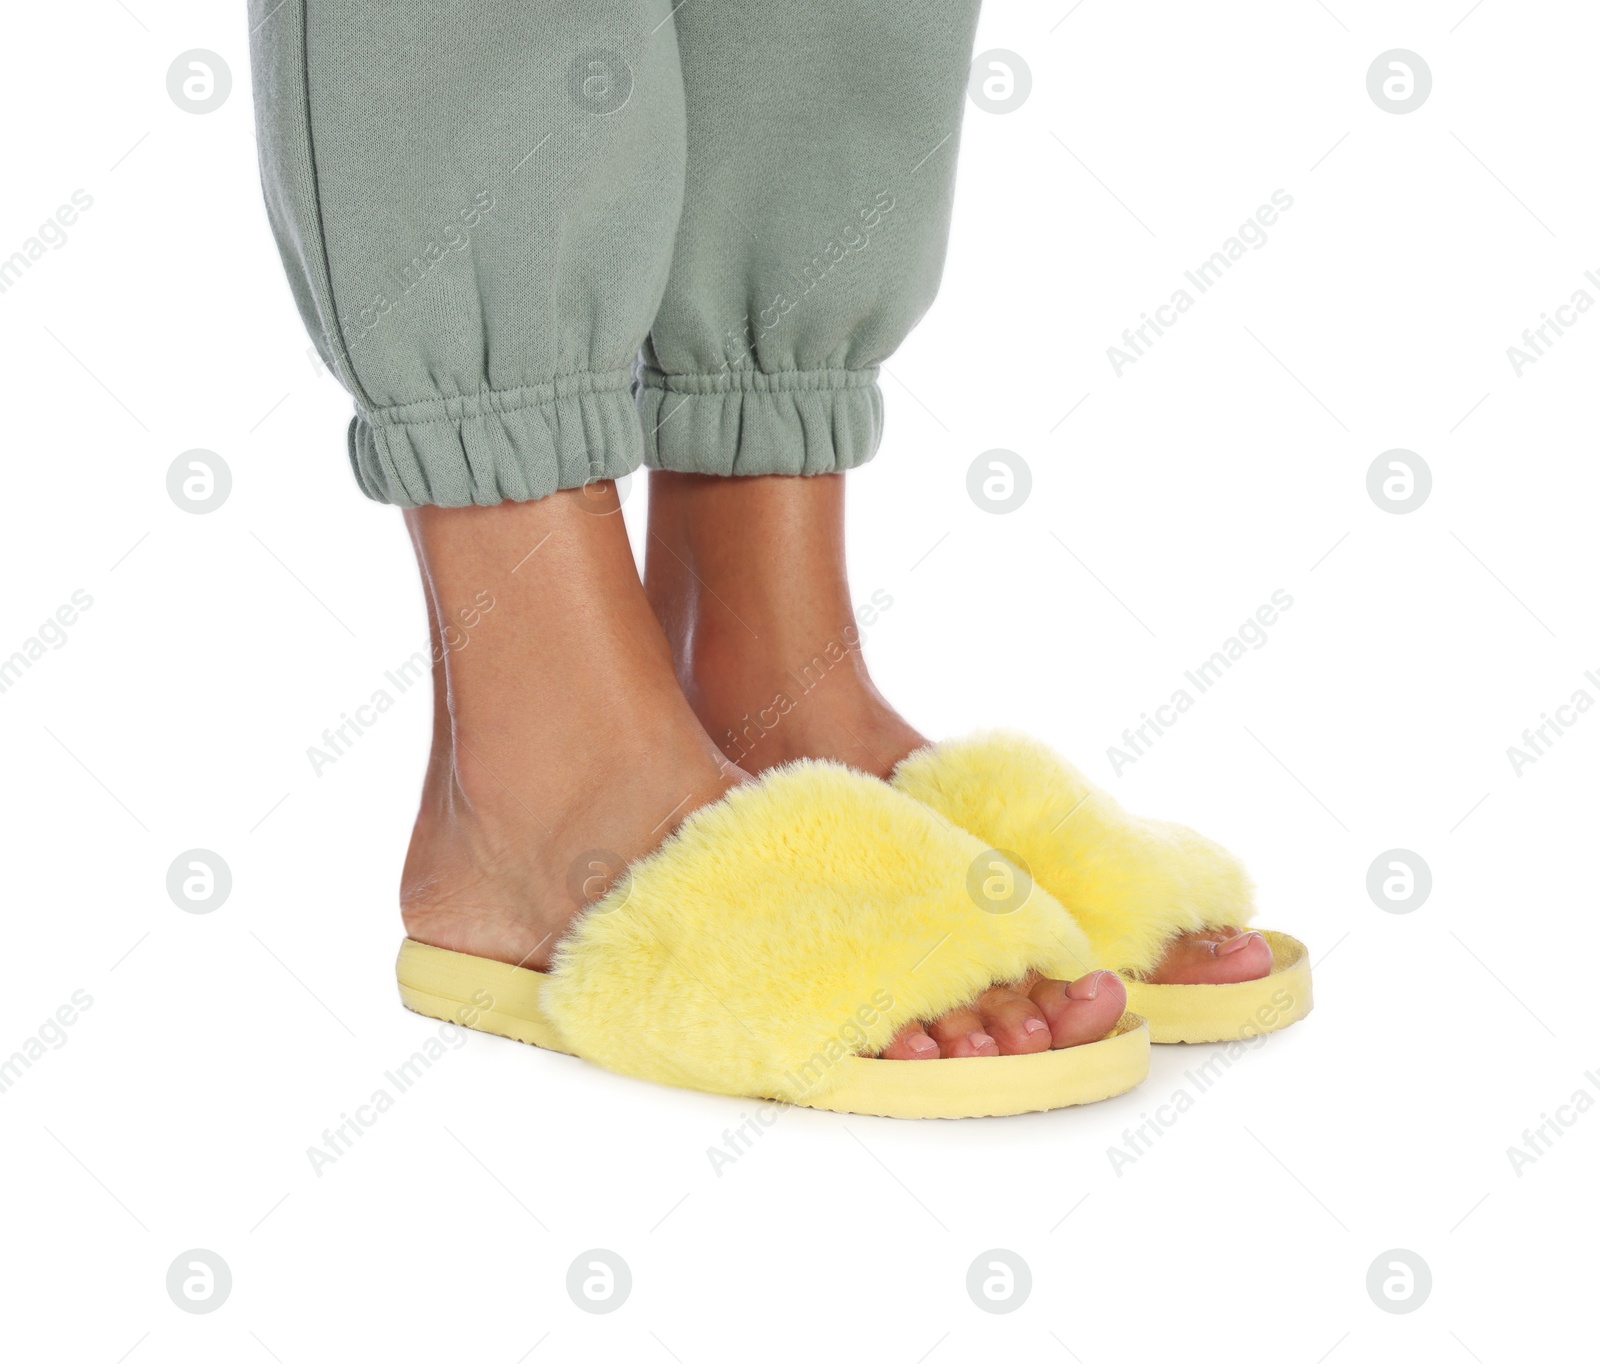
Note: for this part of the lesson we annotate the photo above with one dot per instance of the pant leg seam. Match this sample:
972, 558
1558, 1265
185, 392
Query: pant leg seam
498, 400
760, 381
822, 422
480, 450
336, 340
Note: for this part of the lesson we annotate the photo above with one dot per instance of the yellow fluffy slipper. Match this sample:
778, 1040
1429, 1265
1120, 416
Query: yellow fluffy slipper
1132, 884
782, 937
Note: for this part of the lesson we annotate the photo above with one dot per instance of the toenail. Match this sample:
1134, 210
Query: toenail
924, 1045
1087, 988
980, 1040
1232, 945
1036, 1025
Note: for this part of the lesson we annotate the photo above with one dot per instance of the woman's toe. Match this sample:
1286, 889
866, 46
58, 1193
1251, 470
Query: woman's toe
1015, 1022
1215, 957
961, 1033
1083, 1010
1009, 1020
911, 1043
1244, 956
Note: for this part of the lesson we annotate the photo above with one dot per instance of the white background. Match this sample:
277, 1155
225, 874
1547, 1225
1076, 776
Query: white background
1228, 462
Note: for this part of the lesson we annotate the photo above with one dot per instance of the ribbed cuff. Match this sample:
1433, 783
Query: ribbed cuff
747, 422
498, 446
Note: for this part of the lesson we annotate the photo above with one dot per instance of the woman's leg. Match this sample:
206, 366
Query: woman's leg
564, 749
476, 202
748, 577
820, 175
821, 161
821, 164
477, 242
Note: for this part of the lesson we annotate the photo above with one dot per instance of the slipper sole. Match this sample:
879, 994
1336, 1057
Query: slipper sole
505, 1000
1230, 1013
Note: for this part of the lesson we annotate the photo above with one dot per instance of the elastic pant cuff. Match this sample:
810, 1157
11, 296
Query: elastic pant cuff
499, 445
747, 422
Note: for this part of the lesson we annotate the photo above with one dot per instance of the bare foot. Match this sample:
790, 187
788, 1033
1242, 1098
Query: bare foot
747, 576
564, 749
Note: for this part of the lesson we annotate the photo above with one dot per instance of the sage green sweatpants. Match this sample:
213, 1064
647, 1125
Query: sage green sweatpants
543, 240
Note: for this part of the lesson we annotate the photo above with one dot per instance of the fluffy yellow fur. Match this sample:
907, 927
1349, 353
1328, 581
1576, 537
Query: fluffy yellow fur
799, 920
1131, 883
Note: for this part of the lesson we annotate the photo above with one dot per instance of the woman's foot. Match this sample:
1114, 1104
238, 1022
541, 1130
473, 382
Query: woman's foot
563, 750
747, 576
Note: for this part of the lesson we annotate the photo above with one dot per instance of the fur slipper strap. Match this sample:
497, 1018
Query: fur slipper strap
1131, 883
802, 919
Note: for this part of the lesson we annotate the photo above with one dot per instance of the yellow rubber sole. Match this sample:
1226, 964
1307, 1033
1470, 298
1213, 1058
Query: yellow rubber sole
1230, 1013
494, 997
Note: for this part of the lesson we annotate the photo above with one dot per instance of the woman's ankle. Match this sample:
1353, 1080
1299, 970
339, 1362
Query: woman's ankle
561, 741
500, 863
768, 702
747, 576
